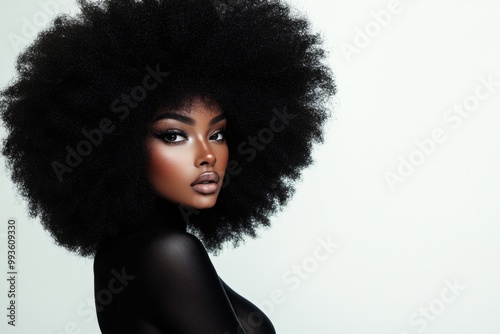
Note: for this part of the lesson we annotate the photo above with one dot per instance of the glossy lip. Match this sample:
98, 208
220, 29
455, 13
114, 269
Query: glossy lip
206, 188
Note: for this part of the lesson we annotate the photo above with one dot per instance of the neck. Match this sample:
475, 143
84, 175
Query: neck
168, 215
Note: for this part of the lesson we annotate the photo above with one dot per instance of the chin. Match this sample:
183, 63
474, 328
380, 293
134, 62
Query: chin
203, 203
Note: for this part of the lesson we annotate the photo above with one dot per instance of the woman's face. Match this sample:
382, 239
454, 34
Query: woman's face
188, 155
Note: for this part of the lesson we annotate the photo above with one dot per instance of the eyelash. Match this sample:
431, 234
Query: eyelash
163, 136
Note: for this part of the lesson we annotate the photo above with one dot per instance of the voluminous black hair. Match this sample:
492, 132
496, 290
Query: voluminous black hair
77, 113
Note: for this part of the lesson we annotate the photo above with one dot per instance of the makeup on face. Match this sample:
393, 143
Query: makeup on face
188, 154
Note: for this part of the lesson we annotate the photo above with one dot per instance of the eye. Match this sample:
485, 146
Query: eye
218, 136
172, 136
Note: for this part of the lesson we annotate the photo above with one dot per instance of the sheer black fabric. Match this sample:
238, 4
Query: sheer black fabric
162, 281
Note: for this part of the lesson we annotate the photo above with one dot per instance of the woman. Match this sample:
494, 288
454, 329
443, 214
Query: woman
145, 133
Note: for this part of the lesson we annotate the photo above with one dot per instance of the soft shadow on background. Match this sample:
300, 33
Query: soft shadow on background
395, 229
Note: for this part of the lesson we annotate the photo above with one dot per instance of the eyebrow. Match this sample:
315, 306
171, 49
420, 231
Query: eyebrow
217, 119
186, 119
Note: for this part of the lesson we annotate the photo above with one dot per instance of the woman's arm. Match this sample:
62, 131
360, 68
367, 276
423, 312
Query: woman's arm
172, 287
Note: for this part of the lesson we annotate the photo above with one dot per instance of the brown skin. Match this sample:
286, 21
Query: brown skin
182, 145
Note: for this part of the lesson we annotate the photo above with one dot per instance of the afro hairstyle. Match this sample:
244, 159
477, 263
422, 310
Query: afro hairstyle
77, 113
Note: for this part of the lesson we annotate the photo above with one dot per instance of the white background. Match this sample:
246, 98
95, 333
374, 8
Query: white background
399, 247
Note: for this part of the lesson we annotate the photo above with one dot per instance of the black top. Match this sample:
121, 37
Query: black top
162, 281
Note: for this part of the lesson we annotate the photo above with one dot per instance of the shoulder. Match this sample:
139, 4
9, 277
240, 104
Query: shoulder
163, 247
161, 239
172, 282
156, 260
154, 246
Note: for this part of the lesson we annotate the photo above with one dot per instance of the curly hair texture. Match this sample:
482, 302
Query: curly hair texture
77, 114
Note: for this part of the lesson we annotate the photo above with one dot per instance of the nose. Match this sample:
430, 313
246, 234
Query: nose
205, 156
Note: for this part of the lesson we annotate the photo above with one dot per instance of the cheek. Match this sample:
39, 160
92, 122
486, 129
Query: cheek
223, 156
166, 167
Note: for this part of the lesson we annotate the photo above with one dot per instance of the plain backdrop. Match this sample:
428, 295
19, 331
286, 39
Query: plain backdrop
394, 229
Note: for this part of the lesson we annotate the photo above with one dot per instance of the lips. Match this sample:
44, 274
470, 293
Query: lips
206, 183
